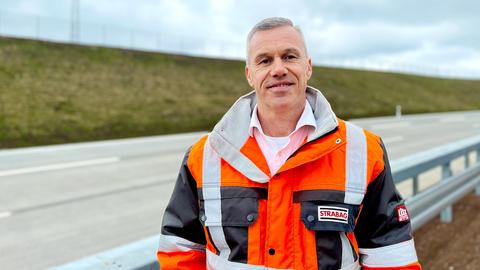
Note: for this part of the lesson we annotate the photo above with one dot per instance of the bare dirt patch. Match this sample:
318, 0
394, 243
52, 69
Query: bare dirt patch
454, 246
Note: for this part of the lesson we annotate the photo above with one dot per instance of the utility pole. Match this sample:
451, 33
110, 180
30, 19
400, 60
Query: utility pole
75, 21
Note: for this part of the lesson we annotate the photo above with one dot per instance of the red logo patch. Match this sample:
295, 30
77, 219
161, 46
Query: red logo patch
333, 214
402, 213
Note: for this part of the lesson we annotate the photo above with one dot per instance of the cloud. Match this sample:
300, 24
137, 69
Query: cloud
367, 39
416, 32
28, 7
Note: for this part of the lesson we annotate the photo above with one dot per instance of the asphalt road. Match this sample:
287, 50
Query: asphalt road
62, 203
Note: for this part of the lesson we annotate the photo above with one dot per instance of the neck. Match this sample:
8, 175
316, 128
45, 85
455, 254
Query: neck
279, 122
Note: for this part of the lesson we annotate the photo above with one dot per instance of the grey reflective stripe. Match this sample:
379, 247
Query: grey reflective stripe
212, 198
324, 116
353, 266
171, 243
236, 159
215, 262
389, 256
356, 165
347, 252
218, 238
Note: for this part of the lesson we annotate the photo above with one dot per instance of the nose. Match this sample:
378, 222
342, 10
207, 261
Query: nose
278, 68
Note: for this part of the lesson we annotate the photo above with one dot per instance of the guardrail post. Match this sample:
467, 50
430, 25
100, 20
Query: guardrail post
467, 161
477, 189
398, 111
415, 185
446, 215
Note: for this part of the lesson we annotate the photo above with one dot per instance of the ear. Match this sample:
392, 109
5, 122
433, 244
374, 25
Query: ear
248, 75
309, 68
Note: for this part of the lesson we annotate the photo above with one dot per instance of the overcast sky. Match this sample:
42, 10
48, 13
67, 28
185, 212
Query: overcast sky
430, 34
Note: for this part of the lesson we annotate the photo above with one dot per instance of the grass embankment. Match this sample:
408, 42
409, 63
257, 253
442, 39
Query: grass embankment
55, 93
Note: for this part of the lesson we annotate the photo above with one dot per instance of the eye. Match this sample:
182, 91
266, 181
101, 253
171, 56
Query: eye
264, 61
290, 56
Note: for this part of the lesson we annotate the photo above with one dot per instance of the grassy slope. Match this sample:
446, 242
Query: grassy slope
54, 93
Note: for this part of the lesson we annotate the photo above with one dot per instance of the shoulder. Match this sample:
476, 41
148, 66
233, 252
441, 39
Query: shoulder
357, 134
195, 158
375, 151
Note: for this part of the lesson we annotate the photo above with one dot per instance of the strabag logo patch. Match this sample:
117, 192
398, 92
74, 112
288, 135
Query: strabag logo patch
333, 214
402, 214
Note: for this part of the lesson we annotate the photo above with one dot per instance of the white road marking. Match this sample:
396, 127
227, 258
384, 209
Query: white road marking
452, 119
390, 125
393, 139
5, 214
109, 143
60, 166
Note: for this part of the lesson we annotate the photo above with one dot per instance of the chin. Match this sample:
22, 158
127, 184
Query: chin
281, 104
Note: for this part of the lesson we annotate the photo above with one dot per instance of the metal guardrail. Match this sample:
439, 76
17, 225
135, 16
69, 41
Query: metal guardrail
427, 205
423, 205
412, 166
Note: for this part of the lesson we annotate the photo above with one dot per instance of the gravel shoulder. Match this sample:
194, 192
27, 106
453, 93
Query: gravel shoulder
452, 246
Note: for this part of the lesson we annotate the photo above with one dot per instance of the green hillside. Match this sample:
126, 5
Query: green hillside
55, 93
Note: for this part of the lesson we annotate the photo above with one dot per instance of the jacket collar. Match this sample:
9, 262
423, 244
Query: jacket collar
306, 119
232, 131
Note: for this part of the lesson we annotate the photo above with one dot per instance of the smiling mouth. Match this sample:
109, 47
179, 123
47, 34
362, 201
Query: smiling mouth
282, 84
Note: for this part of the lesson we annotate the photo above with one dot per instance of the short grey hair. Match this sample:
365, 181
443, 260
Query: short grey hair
272, 23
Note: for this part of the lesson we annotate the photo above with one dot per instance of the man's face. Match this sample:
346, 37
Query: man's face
278, 68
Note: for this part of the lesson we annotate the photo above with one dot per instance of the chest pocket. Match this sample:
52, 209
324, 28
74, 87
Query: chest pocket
329, 216
227, 216
235, 206
325, 214
324, 210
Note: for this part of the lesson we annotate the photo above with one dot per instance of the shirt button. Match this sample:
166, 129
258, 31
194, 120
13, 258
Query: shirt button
310, 218
250, 217
271, 251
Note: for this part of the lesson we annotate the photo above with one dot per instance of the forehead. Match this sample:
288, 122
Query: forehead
277, 39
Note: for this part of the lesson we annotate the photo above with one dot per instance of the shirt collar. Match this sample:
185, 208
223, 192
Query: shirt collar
306, 119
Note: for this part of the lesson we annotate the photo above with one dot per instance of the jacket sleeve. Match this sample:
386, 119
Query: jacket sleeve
383, 229
182, 238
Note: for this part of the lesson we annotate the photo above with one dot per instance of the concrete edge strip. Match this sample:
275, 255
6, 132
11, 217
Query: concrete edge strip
137, 255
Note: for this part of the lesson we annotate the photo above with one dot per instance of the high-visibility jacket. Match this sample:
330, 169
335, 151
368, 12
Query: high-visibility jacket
332, 205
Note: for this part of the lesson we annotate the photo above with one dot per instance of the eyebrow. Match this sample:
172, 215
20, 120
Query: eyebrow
260, 56
292, 50
286, 51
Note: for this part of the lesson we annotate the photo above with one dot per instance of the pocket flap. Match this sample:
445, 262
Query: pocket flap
238, 206
329, 216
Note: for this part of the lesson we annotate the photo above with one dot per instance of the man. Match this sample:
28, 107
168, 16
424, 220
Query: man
281, 183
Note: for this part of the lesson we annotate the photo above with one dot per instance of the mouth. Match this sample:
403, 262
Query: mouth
282, 84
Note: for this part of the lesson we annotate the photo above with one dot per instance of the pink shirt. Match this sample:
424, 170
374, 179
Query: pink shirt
277, 150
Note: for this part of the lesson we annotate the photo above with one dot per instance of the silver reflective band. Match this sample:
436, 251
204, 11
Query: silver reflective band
389, 256
355, 165
347, 252
170, 243
212, 198
237, 160
353, 266
215, 262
